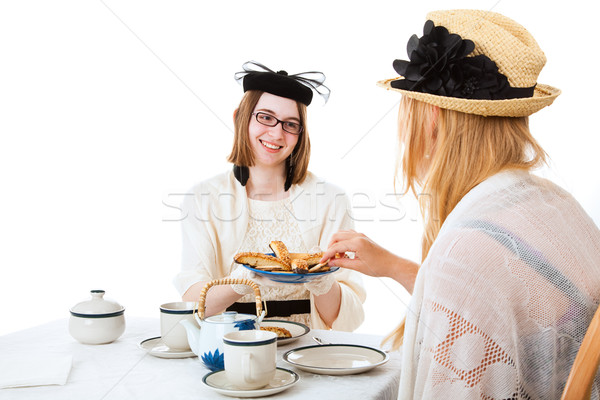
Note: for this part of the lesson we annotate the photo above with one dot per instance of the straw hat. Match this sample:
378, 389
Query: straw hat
476, 62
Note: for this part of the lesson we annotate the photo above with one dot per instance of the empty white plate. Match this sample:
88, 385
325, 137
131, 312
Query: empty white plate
284, 379
296, 329
336, 359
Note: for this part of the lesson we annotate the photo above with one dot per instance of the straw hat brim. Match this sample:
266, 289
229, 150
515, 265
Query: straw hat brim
543, 96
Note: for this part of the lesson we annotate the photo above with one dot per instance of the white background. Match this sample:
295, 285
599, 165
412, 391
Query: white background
109, 109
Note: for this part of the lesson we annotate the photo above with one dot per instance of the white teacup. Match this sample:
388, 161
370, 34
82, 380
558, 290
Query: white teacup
250, 358
172, 332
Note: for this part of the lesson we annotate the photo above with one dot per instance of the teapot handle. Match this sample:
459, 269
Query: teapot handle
228, 281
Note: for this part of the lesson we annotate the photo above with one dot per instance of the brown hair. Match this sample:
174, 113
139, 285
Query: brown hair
457, 151
241, 153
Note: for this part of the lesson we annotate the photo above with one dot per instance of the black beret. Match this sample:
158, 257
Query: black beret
279, 84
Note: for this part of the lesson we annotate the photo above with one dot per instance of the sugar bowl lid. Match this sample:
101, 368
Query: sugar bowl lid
97, 307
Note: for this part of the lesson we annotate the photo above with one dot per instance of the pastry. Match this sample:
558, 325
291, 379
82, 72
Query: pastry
300, 266
322, 267
281, 332
299, 263
281, 252
260, 260
311, 259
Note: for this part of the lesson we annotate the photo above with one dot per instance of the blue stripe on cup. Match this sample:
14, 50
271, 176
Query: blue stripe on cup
255, 343
180, 307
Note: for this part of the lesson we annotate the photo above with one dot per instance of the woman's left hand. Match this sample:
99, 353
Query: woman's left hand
242, 272
320, 286
263, 281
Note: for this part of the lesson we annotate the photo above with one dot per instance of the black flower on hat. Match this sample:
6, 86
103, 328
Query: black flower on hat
479, 79
439, 65
433, 61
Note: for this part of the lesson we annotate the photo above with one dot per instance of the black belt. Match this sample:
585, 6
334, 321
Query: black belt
275, 308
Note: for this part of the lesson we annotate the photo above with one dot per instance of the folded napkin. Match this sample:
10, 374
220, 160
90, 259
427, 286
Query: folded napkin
34, 370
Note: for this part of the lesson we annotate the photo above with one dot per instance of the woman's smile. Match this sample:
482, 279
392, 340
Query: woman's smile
270, 146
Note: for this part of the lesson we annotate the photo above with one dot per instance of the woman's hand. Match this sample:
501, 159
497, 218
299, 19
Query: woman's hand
241, 272
321, 285
369, 258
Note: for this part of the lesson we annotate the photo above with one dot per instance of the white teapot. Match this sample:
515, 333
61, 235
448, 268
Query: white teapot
207, 341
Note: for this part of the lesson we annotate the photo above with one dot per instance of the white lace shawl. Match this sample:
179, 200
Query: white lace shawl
504, 298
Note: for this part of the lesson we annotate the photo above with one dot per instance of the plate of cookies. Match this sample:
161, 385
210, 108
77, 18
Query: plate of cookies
283, 266
287, 331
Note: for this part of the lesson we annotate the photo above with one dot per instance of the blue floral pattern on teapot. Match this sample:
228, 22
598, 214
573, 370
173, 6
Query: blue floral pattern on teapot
207, 342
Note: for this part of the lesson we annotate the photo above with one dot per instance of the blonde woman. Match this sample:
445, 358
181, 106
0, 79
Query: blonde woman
510, 272
269, 195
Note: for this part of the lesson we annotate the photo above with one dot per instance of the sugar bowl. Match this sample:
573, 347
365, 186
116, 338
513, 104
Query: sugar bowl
97, 321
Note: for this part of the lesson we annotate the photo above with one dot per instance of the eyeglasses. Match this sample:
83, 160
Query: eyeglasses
267, 119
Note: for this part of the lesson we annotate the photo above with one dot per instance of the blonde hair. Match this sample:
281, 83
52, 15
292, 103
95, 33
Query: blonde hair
241, 153
447, 153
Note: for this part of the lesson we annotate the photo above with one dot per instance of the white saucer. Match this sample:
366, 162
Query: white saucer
157, 348
284, 379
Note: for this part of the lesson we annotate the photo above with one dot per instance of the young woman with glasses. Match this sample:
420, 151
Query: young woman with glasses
269, 195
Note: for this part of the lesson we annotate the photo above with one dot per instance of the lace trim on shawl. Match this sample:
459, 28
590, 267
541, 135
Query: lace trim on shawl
484, 355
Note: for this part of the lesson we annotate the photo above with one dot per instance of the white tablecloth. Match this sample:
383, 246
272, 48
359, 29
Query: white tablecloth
122, 370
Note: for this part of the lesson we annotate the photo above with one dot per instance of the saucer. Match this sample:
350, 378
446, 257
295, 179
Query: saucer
283, 380
157, 348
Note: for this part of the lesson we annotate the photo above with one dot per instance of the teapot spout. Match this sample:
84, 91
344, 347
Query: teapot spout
193, 335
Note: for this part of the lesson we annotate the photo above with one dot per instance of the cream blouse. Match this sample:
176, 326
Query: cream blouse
217, 224
272, 220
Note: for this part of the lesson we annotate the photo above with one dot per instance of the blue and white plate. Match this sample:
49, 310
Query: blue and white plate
289, 277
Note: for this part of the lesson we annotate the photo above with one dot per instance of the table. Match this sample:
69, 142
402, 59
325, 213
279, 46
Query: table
122, 370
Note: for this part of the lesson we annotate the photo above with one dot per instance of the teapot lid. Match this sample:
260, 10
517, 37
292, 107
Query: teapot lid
97, 306
228, 317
